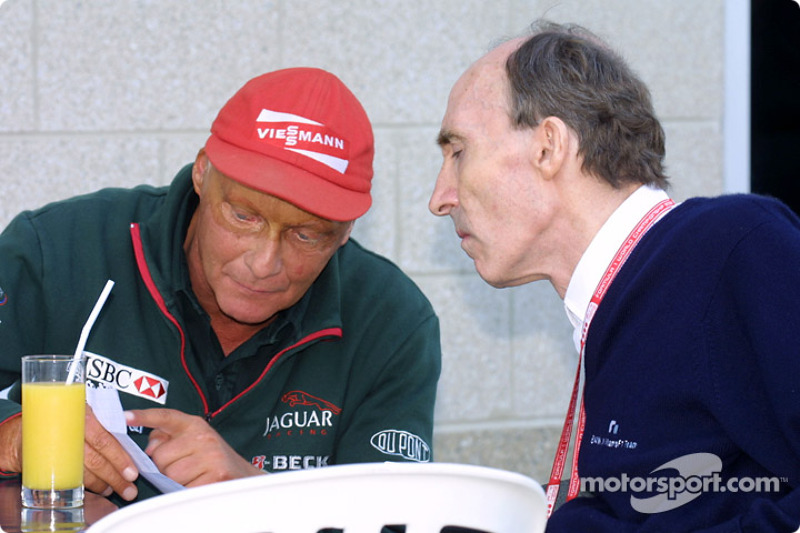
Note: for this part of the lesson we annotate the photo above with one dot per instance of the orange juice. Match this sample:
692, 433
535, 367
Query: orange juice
52, 435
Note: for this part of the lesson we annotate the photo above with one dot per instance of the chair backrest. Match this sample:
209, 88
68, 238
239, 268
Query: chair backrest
359, 498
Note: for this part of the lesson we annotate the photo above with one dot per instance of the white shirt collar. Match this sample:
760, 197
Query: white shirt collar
600, 252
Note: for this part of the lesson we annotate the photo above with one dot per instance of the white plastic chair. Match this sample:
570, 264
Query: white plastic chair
359, 498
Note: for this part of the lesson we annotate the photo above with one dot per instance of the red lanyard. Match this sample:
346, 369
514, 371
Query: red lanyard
647, 222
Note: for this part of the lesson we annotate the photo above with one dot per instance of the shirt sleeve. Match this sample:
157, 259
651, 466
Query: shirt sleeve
394, 420
754, 343
22, 309
20, 302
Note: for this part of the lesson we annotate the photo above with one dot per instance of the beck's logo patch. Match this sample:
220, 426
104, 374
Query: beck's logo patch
102, 370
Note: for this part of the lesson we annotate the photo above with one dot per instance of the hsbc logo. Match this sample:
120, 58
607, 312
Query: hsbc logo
102, 370
151, 387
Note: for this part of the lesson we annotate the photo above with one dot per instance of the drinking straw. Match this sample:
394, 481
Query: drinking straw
86, 328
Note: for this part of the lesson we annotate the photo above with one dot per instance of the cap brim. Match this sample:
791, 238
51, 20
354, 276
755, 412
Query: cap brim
299, 187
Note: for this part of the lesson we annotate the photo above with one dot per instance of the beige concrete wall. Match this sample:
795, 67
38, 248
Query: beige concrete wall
118, 93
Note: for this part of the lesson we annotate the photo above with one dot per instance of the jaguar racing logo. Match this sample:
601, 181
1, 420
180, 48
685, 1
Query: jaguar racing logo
298, 397
315, 419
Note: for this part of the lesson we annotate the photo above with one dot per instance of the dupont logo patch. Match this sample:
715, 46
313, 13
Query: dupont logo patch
103, 370
402, 444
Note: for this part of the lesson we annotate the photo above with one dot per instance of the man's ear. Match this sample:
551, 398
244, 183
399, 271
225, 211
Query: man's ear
200, 171
346, 235
553, 145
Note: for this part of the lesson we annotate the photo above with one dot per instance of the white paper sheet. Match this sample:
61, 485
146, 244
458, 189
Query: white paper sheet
108, 410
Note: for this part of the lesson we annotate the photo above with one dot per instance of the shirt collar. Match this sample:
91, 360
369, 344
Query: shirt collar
601, 251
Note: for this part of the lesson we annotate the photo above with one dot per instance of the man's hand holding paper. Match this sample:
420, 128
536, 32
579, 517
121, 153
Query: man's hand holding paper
188, 450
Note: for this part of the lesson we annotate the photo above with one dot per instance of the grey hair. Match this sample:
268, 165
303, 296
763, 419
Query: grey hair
566, 71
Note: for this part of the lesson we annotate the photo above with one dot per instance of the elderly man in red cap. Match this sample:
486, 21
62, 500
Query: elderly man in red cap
246, 333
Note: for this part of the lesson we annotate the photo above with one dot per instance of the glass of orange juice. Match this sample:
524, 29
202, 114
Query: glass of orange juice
53, 412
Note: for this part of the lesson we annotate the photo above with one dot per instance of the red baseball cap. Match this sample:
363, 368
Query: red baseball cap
301, 135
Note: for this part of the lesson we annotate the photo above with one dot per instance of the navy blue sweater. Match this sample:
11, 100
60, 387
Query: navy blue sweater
693, 378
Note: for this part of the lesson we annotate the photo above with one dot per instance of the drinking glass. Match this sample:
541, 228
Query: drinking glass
53, 412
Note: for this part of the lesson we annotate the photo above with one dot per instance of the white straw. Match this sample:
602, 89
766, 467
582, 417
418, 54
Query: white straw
86, 328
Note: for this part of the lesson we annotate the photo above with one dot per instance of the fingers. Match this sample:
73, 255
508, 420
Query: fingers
155, 441
176, 441
107, 466
95, 484
187, 449
168, 420
165, 424
180, 444
11, 445
200, 456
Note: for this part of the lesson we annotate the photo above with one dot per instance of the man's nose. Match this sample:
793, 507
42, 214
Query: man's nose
264, 259
444, 197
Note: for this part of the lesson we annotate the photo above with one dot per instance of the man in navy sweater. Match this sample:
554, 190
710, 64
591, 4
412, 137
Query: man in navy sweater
686, 413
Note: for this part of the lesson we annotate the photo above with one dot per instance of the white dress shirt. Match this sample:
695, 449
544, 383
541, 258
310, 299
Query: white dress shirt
601, 251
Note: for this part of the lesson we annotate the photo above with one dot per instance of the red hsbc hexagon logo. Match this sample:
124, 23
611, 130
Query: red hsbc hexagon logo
149, 386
